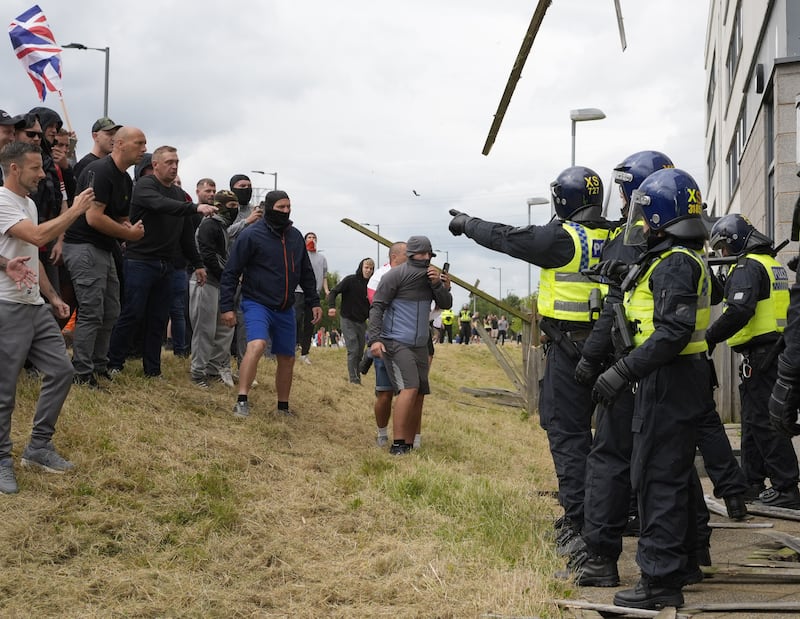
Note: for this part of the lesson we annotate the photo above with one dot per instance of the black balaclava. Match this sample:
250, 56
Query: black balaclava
243, 194
277, 220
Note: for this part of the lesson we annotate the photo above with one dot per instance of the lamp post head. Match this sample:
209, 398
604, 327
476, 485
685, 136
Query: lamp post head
75, 46
535, 201
586, 113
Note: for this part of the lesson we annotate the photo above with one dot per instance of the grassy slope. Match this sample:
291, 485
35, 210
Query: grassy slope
177, 509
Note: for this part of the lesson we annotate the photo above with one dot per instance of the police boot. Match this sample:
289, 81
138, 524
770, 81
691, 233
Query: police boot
649, 596
735, 506
597, 571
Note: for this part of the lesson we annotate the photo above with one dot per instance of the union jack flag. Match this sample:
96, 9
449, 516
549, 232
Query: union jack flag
36, 48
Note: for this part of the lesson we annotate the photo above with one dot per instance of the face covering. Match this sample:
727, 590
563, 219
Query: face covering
228, 214
420, 263
278, 220
243, 194
311, 245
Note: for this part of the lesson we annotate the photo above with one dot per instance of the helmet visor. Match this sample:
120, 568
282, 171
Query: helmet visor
636, 227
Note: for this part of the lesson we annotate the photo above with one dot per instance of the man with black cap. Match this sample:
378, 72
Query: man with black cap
8, 130
399, 333
103, 132
271, 259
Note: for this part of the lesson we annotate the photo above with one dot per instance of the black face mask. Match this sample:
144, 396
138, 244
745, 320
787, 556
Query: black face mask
243, 194
420, 263
228, 214
278, 220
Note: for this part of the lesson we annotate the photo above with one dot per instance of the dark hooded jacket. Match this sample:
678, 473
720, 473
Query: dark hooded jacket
48, 196
353, 288
271, 264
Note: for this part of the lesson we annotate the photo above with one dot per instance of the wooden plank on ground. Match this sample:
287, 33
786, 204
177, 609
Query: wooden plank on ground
622, 611
790, 541
756, 573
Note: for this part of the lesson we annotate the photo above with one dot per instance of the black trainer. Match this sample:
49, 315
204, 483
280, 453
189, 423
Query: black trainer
400, 448
85, 380
735, 506
649, 596
788, 499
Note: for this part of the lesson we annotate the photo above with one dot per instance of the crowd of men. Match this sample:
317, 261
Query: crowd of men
122, 261
626, 309
117, 259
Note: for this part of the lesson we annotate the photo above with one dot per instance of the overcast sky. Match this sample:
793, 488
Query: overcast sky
356, 104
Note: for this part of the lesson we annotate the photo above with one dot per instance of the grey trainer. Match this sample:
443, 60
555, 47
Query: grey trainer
46, 458
8, 481
241, 410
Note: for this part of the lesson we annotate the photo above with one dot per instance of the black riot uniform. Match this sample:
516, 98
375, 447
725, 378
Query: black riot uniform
667, 302
562, 249
608, 493
757, 297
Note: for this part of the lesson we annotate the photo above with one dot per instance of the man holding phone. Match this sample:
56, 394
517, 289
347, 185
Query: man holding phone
89, 253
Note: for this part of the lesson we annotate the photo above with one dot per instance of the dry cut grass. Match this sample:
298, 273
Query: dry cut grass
178, 510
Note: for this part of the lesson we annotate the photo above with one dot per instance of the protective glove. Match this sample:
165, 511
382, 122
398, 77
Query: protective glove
612, 382
784, 400
613, 270
586, 372
458, 223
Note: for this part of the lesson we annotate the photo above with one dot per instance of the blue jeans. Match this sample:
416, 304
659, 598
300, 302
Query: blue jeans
177, 311
148, 295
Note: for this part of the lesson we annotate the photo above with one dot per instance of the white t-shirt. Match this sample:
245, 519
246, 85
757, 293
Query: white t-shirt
14, 209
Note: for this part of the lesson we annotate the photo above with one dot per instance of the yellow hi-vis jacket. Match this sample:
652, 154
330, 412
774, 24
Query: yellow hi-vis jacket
564, 291
639, 304
771, 312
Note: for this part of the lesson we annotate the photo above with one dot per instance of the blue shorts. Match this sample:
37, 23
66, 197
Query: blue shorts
278, 327
382, 382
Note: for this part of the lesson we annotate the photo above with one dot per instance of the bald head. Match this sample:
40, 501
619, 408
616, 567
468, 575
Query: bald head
397, 253
129, 146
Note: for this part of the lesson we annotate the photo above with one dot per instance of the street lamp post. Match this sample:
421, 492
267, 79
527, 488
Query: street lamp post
581, 115
274, 174
378, 226
533, 202
107, 51
500, 280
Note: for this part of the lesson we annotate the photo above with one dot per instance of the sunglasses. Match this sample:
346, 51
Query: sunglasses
33, 134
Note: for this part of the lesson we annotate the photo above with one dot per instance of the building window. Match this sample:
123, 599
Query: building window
769, 130
734, 48
769, 162
735, 152
712, 86
711, 162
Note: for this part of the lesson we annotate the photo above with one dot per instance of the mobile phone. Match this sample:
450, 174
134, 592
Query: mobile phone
446, 267
90, 179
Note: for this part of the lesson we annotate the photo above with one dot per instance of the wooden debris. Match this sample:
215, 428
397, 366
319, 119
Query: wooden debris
622, 611
790, 541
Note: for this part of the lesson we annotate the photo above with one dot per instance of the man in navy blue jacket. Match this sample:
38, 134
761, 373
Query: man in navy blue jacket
271, 258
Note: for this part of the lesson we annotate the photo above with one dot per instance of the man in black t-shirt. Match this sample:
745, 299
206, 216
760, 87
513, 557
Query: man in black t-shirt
89, 253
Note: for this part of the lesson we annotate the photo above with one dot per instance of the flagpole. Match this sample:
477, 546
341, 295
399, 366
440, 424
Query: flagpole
66, 114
